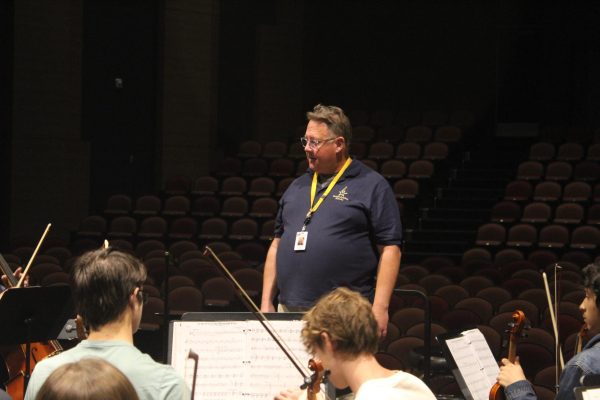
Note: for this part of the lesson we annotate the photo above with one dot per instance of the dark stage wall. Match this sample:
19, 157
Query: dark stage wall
199, 76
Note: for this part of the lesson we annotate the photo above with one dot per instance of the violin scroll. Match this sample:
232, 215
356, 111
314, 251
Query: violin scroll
313, 382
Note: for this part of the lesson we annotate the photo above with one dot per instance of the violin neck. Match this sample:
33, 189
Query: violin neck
512, 351
6, 270
57, 346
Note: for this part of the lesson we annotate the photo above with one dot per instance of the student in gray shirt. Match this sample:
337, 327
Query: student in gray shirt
107, 291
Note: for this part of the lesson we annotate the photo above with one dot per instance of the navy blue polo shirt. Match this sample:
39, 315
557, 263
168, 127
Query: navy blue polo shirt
360, 213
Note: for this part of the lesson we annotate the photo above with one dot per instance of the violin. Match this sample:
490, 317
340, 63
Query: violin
311, 383
515, 332
315, 380
15, 357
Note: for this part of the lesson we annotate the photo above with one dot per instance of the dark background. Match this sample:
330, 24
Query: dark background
265, 64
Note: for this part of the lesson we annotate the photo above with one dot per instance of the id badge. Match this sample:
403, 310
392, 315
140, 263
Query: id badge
300, 243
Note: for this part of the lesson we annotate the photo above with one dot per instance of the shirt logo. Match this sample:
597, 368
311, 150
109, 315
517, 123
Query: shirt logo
341, 196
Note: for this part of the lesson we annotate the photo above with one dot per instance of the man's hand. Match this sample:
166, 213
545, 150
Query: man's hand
267, 307
382, 318
387, 272
510, 372
18, 272
290, 394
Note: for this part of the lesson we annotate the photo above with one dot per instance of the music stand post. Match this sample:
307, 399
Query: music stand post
33, 314
166, 314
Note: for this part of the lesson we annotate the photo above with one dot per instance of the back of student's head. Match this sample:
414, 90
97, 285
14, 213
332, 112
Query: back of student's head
87, 379
103, 281
347, 318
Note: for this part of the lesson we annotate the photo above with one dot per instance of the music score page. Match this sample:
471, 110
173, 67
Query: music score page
237, 359
475, 362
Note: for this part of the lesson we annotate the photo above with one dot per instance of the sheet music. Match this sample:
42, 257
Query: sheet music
221, 351
475, 362
484, 354
591, 394
237, 359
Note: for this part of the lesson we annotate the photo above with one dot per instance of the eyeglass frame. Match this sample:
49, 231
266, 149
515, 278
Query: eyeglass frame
314, 144
144, 296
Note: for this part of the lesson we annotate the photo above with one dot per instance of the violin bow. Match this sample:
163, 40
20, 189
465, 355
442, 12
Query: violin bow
194, 356
559, 360
37, 248
308, 381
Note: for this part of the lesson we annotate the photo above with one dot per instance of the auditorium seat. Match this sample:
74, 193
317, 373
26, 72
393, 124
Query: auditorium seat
205, 185
147, 205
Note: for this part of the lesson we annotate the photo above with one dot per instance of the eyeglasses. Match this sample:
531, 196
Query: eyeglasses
314, 143
143, 296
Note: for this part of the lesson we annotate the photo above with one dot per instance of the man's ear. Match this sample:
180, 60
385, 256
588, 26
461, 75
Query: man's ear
134, 298
340, 143
328, 344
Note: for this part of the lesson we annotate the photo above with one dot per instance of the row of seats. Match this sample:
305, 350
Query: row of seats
284, 168
182, 228
415, 133
541, 257
386, 117
380, 151
558, 134
561, 171
362, 135
421, 133
246, 254
549, 191
502, 267
526, 235
492, 300
236, 187
215, 294
570, 151
509, 212
176, 206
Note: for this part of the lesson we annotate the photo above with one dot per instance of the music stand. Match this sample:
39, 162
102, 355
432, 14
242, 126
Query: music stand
33, 314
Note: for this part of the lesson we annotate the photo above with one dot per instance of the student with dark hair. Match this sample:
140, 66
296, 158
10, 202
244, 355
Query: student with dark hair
87, 379
107, 292
586, 363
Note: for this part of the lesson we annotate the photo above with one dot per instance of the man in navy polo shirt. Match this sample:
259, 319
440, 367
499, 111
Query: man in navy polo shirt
337, 225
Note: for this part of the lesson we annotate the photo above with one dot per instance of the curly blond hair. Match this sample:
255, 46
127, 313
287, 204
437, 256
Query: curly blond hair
347, 318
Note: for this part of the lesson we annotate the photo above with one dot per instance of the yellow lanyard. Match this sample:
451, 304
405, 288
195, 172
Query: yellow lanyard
313, 192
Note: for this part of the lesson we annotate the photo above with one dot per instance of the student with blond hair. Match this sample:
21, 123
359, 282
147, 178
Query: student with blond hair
341, 332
